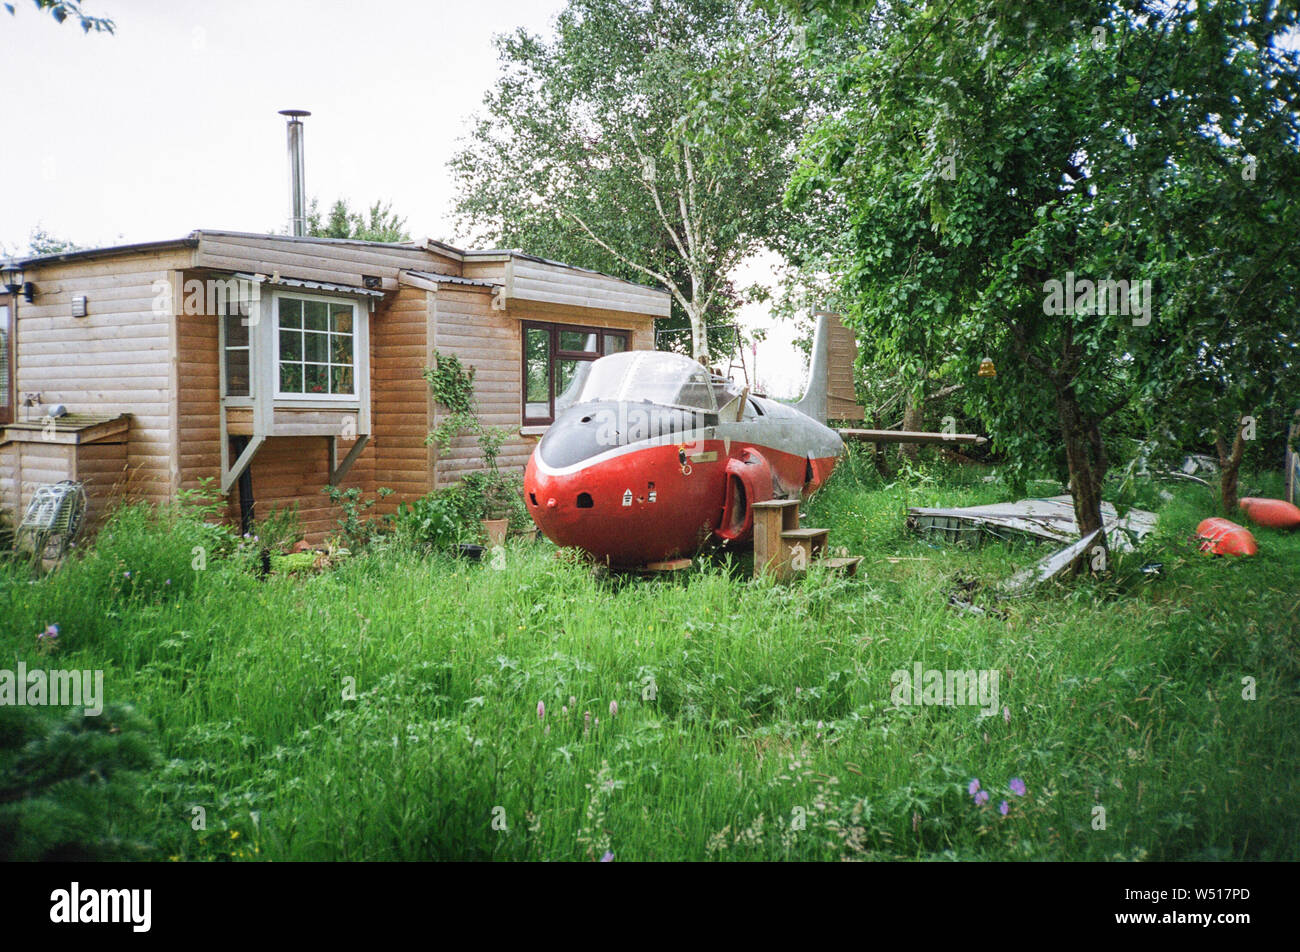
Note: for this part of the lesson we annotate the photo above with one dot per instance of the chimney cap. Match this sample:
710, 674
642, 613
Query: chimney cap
294, 113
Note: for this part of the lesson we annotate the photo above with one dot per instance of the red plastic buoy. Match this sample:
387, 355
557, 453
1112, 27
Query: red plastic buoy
1274, 513
1223, 537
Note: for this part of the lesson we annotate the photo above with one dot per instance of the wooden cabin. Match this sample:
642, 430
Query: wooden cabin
276, 365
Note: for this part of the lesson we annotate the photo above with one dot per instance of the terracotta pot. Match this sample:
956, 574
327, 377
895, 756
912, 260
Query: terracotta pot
496, 531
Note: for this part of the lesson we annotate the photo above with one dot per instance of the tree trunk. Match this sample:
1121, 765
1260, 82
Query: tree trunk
1229, 467
1086, 457
913, 419
878, 450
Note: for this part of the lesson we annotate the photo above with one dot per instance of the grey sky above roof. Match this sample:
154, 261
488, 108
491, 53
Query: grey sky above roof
167, 123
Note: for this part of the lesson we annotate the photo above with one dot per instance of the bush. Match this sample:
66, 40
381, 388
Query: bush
70, 786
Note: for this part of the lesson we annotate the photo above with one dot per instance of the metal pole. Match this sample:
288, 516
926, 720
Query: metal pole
297, 187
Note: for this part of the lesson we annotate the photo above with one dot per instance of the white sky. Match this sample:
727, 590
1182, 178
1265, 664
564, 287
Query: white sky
171, 124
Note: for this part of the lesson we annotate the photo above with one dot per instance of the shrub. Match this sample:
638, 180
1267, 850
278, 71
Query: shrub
70, 786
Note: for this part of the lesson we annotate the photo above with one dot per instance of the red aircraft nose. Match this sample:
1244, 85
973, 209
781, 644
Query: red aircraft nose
630, 509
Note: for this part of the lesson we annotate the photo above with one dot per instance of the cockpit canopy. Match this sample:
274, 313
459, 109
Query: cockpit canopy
651, 376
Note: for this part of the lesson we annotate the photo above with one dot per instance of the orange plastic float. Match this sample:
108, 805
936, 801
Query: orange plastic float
1274, 513
1223, 537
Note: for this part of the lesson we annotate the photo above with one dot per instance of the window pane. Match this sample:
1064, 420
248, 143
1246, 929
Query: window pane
315, 347
341, 349
341, 318
574, 373
578, 340
290, 312
236, 331
615, 343
291, 378
341, 380
537, 353
315, 315
565, 371
237, 373
315, 378
290, 345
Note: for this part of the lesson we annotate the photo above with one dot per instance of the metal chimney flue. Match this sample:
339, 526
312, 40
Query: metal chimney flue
297, 188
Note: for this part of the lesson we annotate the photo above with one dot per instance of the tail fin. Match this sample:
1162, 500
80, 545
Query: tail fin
830, 390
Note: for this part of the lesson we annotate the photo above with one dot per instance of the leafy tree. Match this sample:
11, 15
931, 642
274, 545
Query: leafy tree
63, 10
379, 223
649, 139
993, 155
41, 242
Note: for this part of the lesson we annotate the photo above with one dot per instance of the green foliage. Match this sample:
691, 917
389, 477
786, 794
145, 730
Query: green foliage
63, 10
452, 385
280, 529
726, 709
985, 151
357, 531
455, 514
379, 223
71, 785
649, 140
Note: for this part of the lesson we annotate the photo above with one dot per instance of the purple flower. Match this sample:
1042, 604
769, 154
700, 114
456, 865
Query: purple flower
981, 798
1004, 808
51, 633
974, 787
1017, 786
613, 708
608, 857
541, 710
1006, 714
126, 575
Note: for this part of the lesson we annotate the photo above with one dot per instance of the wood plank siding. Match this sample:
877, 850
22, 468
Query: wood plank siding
133, 353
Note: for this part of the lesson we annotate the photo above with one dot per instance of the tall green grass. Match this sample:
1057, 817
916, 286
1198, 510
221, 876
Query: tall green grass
389, 709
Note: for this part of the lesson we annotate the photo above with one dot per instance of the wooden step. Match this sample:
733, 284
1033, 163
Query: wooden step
845, 565
813, 540
788, 509
772, 517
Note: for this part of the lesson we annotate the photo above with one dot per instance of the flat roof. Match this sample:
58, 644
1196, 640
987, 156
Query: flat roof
430, 245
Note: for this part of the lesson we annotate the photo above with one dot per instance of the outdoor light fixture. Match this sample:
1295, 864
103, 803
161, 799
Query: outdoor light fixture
11, 276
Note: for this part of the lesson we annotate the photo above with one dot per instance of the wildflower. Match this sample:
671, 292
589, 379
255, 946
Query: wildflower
974, 787
1017, 786
1006, 714
51, 633
168, 582
541, 710
981, 798
608, 857
564, 711
126, 574
597, 724
613, 708
1004, 808
234, 834
573, 701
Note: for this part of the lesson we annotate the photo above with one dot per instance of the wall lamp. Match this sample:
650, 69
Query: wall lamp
11, 276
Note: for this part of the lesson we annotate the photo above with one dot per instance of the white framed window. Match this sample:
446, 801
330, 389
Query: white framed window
236, 353
317, 340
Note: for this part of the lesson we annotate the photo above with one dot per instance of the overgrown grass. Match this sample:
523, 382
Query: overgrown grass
389, 709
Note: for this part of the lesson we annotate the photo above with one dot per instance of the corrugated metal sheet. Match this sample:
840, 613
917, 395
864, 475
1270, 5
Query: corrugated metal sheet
452, 279
283, 282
